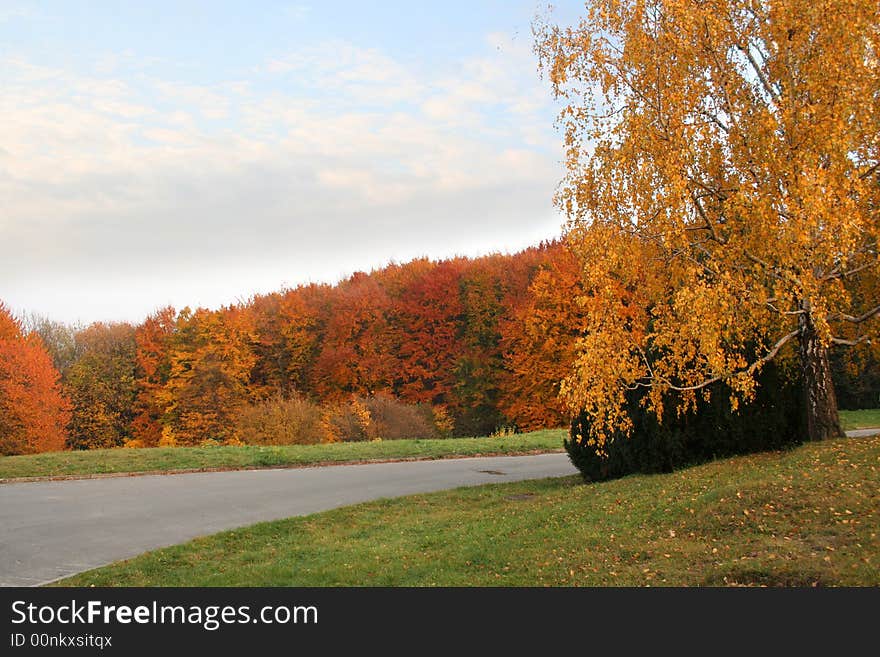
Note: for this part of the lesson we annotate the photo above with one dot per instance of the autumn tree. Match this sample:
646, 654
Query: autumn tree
722, 193
354, 352
211, 360
101, 386
538, 341
424, 330
58, 338
33, 410
303, 317
491, 288
152, 370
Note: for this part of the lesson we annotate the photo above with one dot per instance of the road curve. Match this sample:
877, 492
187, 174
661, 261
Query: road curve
52, 529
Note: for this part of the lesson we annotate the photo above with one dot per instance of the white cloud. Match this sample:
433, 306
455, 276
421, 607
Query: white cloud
328, 159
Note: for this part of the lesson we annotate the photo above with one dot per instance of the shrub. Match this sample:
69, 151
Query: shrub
393, 420
442, 421
347, 422
772, 420
281, 421
381, 417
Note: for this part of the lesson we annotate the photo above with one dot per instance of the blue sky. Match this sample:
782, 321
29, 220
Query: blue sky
194, 153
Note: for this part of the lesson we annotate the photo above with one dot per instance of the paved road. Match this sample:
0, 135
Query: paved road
50, 530
861, 433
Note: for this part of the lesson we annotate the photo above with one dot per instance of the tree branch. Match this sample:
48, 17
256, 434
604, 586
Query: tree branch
844, 274
766, 358
851, 343
771, 92
709, 225
858, 319
774, 270
770, 305
871, 170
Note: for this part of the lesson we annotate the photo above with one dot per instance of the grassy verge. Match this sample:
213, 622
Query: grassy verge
864, 419
104, 461
810, 516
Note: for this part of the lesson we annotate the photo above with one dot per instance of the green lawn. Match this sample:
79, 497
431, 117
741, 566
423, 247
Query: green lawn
865, 419
108, 461
101, 461
809, 516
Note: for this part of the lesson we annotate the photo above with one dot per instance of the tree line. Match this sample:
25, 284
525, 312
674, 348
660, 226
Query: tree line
480, 343
464, 346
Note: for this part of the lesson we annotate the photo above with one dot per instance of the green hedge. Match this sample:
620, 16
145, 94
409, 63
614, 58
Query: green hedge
773, 420
856, 376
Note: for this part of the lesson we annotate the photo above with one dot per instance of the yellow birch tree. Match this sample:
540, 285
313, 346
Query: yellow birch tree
722, 193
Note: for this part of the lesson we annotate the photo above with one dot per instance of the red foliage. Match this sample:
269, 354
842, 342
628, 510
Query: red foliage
424, 331
538, 342
354, 357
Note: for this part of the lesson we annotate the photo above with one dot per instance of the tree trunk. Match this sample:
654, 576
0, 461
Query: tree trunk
819, 398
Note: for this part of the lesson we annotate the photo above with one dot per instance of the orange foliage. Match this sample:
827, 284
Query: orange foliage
491, 288
33, 411
722, 168
539, 344
461, 346
302, 316
152, 341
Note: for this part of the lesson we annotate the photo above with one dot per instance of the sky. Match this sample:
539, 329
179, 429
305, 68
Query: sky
196, 153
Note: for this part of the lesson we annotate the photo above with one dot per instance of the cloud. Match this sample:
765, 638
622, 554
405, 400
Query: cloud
327, 159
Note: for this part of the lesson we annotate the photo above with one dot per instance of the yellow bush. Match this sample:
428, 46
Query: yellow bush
280, 421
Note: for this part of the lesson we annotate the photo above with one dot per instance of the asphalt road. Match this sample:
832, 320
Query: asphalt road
861, 433
49, 530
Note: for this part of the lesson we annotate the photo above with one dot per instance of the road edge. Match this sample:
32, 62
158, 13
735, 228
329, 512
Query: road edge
277, 466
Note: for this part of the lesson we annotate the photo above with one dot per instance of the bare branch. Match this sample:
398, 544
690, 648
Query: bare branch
765, 84
713, 118
851, 272
867, 173
851, 343
698, 386
709, 226
858, 319
770, 305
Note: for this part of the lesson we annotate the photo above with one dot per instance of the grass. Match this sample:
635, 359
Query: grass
104, 461
805, 517
864, 419
112, 461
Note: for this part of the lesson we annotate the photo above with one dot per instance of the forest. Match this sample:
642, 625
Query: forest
464, 346
459, 347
